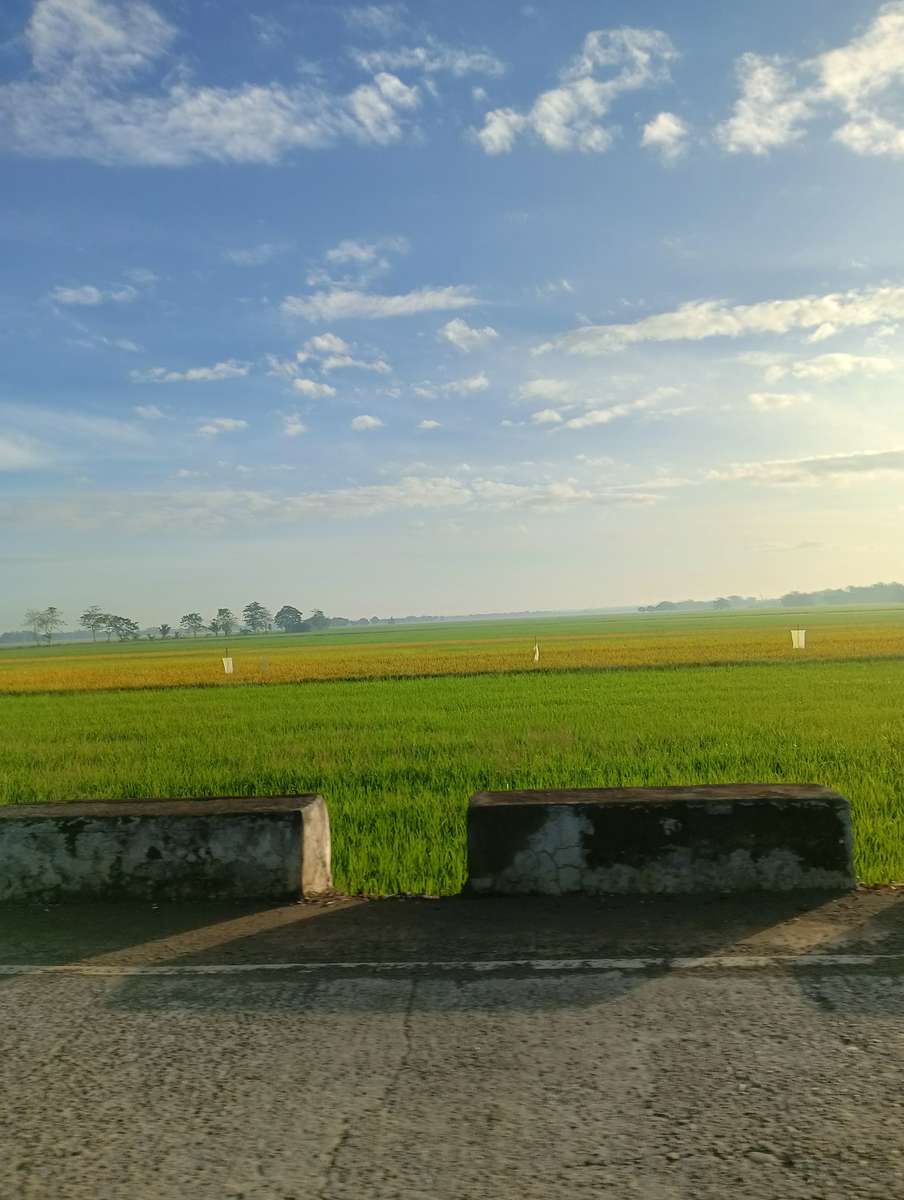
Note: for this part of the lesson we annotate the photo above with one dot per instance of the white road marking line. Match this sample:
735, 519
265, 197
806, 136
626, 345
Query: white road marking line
714, 962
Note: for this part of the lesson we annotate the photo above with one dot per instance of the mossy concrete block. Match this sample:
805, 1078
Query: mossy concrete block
166, 849
724, 838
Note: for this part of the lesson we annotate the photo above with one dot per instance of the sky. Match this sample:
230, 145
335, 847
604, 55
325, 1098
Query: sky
447, 308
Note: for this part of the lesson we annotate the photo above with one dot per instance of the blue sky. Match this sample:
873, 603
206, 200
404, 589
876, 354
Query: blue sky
447, 308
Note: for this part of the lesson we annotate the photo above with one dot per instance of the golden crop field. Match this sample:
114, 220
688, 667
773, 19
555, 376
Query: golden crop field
475, 648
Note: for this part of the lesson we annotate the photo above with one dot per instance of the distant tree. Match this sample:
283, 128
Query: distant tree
318, 621
164, 630
375, 620
33, 621
288, 619
224, 622
721, 603
257, 618
92, 618
45, 622
192, 623
125, 629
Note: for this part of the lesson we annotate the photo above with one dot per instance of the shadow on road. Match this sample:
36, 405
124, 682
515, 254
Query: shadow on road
415, 933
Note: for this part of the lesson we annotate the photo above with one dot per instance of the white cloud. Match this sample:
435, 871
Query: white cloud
465, 387
701, 319
604, 416
230, 369
293, 426
544, 389
826, 368
21, 454
90, 296
313, 389
428, 424
467, 338
430, 58
830, 468
667, 134
255, 256
353, 250
148, 412
769, 112
81, 100
338, 362
359, 424
218, 425
342, 303
546, 416
773, 401
326, 343
569, 117
862, 80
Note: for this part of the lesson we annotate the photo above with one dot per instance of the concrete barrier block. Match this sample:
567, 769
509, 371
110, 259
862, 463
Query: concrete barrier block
725, 838
273, 847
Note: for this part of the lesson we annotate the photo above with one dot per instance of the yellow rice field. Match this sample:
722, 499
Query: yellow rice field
591, 643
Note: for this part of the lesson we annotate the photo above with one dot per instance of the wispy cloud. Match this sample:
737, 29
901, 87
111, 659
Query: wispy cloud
255, 256
828, 468
570, 116
293, 426
365, 422
340, 303
714, 318
224, 509
827, 368
218, 425
383, 20
774, 401
467, 338
230, 369
86, 295
80, 99
19, 453
430, 58
148, 412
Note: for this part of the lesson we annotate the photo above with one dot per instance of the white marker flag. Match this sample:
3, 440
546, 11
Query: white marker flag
536, 652
227, 665
799, 639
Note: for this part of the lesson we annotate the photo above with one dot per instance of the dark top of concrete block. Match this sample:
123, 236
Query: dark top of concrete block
721, 793
113, 809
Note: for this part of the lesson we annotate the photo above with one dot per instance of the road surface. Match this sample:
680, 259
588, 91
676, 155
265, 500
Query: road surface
454, 1050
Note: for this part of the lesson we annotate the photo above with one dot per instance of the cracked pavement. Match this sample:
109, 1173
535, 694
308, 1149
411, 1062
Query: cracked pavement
419, 1082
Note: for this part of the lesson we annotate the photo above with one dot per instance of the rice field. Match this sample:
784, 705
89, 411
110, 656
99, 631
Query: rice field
398, 756
460, 648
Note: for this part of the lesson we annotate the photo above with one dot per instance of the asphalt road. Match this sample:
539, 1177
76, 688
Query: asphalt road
751, 1048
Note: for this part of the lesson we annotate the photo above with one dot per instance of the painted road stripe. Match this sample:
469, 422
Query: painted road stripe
715, 962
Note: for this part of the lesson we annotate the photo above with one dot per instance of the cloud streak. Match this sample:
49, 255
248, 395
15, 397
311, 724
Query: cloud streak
701, 319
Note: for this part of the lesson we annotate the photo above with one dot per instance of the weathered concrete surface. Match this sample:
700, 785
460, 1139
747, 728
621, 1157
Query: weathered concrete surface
174, 849
428, 1086
724, 838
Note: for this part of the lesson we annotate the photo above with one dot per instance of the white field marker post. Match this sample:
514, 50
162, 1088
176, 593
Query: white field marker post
536, 652
227, 663
798, 639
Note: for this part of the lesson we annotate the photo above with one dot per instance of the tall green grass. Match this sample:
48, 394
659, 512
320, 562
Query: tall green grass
397, 760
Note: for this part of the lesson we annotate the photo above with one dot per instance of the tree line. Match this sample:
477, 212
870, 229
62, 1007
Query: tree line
255, 618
